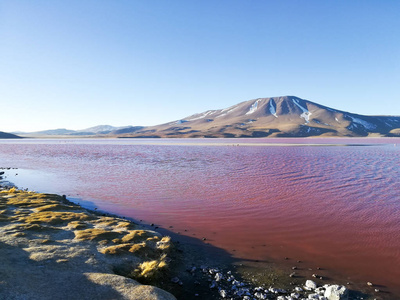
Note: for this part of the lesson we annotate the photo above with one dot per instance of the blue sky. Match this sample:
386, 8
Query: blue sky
77, 64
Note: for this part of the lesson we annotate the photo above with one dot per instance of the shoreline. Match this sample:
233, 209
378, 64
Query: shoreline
201, 271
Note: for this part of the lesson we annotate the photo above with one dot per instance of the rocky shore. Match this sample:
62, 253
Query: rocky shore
51, 248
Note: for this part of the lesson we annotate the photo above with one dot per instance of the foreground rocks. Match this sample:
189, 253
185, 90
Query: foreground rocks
229, 287
53, 249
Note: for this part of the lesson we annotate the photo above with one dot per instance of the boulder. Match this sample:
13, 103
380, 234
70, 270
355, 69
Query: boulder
336, 292
311, 284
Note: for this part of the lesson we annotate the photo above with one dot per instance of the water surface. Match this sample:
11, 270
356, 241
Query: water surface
316, 200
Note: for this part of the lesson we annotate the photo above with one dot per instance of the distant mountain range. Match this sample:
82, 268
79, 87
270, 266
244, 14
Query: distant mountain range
101, 130
287, 116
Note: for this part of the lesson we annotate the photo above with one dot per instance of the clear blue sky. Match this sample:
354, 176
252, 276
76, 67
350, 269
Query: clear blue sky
77, 64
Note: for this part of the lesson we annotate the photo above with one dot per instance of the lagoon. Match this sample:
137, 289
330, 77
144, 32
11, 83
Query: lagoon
329, 203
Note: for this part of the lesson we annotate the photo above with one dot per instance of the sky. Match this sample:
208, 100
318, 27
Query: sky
77, 64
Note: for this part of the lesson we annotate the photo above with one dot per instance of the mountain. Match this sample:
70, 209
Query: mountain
5, 135
62, 132
287, 116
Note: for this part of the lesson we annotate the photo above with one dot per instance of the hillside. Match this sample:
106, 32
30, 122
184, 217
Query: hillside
286, 116
5, 135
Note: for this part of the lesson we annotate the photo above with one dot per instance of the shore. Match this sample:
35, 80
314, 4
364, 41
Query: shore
51, 248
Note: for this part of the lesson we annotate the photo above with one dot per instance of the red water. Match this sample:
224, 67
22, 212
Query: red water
337, 207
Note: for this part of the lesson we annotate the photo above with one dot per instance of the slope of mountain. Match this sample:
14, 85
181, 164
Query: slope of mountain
286, 116
129, 129
5, 135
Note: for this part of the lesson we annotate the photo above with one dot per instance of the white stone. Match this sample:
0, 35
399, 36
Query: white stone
311, 284
222, 293
295, 295
218, 277
336, 292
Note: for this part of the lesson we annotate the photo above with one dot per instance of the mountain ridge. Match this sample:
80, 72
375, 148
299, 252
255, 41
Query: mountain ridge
285, 116
91, 131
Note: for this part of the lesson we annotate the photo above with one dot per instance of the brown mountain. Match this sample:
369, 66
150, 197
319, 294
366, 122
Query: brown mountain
286, 116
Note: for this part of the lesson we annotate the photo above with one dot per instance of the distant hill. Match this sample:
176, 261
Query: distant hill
287, 116
5, 135
62, 132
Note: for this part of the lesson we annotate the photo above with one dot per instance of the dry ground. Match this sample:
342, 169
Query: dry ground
53, 249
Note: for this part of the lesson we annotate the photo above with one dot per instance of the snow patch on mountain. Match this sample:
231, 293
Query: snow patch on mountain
201, 116
272, 109
227, 111
306, 114
364, 123
253, 108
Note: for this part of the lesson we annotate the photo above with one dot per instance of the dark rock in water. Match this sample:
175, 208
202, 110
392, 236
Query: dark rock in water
175, 280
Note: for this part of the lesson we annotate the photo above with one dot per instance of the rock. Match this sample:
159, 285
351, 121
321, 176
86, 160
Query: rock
125, 287
218, 277
336, 292
175, 280
311, 284
259, 295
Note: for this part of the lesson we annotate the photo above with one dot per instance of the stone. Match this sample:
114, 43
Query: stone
175, 280
311, 284
218, 277
336, 292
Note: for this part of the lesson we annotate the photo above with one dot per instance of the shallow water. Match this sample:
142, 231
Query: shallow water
315, 200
